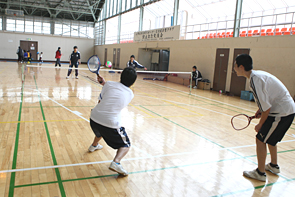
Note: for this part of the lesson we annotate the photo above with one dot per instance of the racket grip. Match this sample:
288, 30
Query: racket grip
99, 81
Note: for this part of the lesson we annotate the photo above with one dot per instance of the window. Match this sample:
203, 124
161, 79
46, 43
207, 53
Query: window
37, 27
66, 29
10, 25
90, 32
0, 23
58, 28
75, 30
111, 30
83, 31
29, 26
46, 28
19, 25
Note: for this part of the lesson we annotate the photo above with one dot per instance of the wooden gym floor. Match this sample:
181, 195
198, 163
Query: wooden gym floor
182, 145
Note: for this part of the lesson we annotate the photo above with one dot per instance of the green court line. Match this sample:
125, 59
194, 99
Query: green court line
36, 184
61, 187
254, 188
55, 106
152, 170
12, 178
203, 137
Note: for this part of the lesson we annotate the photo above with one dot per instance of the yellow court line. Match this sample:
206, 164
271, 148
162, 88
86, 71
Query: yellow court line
174, 116
172, 103
4, 69
151, 116
41, 121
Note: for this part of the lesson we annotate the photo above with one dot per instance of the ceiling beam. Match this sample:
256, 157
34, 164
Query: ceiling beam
44, 7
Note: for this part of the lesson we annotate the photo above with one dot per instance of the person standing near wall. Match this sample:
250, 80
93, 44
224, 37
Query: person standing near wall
75, 60
20, 54
58, 56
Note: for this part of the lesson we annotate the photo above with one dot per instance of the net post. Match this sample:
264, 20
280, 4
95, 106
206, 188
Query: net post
191, 84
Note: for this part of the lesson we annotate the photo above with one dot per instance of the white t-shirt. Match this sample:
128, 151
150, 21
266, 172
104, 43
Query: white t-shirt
113, 98
270, 92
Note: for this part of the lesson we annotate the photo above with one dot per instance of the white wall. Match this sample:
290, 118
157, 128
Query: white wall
274, 54
47, 44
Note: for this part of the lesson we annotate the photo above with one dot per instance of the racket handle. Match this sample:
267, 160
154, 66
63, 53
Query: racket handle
98, 76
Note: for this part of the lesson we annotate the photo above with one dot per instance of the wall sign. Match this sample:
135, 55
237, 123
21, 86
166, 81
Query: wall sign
167, 33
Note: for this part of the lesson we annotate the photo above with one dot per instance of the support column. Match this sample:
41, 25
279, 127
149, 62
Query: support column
175, 12
4, 23
119, 23
119, 29
141, 17
52, 27
238, 15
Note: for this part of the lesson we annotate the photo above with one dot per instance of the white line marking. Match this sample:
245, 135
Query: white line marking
200, 96
139, 71
74, 112
142, 151
130, 159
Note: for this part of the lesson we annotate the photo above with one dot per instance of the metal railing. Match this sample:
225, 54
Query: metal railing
204, 29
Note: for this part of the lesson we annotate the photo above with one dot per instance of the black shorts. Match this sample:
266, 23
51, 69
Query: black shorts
274, 129
115, 138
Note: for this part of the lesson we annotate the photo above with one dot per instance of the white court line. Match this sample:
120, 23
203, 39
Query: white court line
130, 159
56, 67
139, 71
200, 96
74, 112
98, 162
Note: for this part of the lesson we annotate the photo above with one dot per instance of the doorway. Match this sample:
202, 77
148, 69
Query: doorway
114, 58
31, 46
105, 56
220, 72
237, 84
118, 59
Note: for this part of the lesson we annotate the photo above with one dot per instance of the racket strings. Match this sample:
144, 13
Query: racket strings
240, 122
93, 63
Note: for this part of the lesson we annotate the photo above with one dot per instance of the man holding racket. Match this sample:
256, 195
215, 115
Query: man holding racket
134, 64
105, 119
276, 112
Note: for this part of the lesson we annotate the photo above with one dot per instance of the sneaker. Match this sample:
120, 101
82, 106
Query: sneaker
94, 148
195, 87
254, 175
118, 168
274, 170
67, 77
77, 77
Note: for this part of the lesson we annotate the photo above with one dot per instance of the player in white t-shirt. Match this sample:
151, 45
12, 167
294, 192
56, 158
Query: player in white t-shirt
105, 119
276, 112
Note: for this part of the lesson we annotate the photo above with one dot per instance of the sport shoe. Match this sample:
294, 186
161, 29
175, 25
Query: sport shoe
195, 87
94, 148
67, 77
254, 175
274, 170
118, 168
77, 77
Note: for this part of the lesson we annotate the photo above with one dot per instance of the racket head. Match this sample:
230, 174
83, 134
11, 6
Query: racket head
241, 121
93, 64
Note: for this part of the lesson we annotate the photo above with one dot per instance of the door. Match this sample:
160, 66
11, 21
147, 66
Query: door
32, 46
105, 56
237, 84
164, 60
118, 58
114, 57
220, 72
